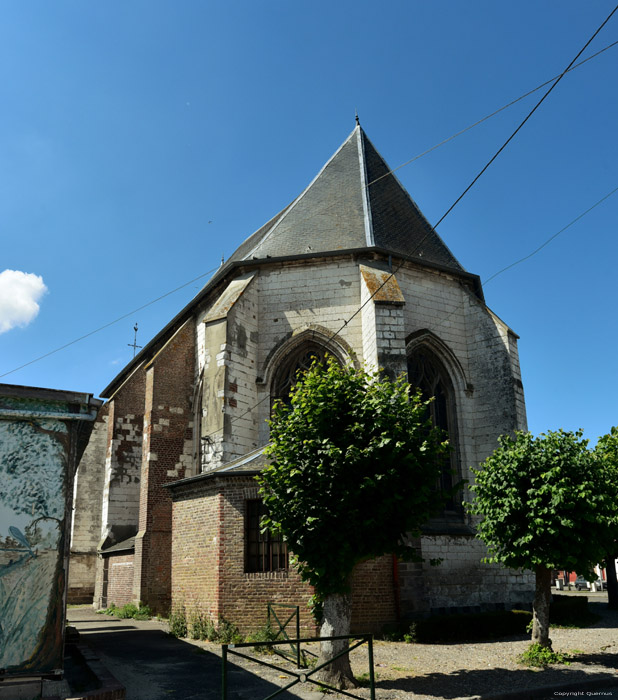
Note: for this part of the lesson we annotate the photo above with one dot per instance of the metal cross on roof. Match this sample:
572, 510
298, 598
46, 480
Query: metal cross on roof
134, 344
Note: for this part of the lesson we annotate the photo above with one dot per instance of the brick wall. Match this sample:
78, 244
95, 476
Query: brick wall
374, 596
119, 579
167, 449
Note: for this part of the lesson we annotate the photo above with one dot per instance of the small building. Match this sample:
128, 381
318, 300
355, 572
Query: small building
350, 268
43, 433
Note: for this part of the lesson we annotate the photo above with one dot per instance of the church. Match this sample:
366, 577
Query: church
166, 503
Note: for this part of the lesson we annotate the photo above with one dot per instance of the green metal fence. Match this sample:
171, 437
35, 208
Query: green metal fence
303, 675
281, 630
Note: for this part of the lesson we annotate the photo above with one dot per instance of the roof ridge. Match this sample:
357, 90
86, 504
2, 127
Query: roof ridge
365, 187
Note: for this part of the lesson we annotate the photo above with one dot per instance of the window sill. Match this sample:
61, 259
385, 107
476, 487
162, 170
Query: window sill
260, 575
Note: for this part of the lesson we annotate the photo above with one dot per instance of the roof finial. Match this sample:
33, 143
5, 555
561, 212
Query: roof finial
356, 117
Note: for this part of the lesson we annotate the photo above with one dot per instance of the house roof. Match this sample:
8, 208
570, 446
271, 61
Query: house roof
353, 202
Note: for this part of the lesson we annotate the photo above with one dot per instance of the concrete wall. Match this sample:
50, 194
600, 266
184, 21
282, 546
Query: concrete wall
42, 436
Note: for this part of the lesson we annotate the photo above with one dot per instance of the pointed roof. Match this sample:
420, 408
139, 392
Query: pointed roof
354, 202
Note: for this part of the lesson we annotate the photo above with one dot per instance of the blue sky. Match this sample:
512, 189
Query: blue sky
141, 141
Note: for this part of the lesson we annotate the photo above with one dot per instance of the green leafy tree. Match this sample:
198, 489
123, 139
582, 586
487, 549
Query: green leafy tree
354, 469
545, 505
607, 454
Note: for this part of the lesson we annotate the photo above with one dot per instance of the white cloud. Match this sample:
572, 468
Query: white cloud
20, 293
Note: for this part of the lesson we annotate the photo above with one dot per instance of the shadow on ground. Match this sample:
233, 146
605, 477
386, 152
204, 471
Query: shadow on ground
153, 665
502, 680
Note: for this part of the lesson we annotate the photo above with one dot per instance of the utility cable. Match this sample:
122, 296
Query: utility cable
484, 283
420, 155
407, 258
532, 111
431, 229
489, 116
111, 323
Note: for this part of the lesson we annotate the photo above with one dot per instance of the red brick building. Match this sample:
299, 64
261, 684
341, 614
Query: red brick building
167, 486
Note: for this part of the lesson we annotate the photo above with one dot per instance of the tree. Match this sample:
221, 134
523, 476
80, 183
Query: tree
607, 454
354, 467
545, 505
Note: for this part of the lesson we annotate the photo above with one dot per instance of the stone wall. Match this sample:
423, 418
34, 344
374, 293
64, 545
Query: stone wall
87, 511
463, 583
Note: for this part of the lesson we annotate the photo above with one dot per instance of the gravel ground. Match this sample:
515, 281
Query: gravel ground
476, 670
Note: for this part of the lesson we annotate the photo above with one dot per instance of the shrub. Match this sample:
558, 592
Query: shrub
127, 611
202, 627
178, 622
264, 634
537, 655
130, 610
570, 611
143, 612
227, 632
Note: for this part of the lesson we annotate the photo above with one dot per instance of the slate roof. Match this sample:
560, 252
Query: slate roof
354, 202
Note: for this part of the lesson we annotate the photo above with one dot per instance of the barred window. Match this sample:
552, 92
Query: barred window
264, 552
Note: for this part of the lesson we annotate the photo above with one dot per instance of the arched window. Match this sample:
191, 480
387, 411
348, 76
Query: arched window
427, 372
299, 360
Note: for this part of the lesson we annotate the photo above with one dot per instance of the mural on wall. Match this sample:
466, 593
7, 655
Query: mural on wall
33, 490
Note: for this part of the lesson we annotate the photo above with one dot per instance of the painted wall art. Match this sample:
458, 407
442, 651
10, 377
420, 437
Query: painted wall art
33, 499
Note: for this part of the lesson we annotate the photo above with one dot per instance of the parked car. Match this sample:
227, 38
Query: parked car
581, 583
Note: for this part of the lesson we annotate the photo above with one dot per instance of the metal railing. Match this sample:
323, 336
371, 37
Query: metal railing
296, 651
304, 675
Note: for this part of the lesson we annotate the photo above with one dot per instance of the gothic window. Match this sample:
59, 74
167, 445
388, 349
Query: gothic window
264, 552
427, 373
287, 373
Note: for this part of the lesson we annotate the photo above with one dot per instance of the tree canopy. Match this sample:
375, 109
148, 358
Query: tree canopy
355, 464
546, 503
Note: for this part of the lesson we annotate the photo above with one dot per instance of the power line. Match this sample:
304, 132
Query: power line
111, 323
493, 114
406, 258
570, 67
551, 238
424, 153
431, 230
532, 111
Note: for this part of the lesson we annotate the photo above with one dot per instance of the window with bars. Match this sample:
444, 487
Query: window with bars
263, 551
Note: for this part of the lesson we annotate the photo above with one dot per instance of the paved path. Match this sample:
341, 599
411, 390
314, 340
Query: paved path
152, 665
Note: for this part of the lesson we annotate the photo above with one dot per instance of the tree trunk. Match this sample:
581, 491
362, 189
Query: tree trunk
336, 617
612, 583
540, 609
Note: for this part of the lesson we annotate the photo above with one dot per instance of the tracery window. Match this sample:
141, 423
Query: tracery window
426, 372
263, 551
287, 373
